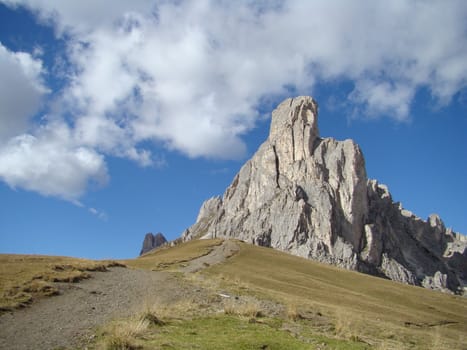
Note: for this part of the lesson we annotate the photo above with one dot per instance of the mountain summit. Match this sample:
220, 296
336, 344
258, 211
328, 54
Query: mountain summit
310, 196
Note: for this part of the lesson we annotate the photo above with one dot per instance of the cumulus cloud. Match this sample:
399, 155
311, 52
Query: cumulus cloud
189, 75
21, 91
80, 17
226, 56
48, 164
44, 159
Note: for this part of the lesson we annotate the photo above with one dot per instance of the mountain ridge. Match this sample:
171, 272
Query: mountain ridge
310, 196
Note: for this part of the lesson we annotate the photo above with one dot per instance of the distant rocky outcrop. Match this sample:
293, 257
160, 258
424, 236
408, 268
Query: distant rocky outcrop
152, 241
310, 196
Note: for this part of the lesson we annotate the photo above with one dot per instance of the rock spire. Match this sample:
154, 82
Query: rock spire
310, 196
152, 242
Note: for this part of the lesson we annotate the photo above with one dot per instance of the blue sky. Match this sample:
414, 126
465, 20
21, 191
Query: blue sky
119, 118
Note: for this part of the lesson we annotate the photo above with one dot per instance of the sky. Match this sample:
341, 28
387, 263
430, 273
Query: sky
119, 118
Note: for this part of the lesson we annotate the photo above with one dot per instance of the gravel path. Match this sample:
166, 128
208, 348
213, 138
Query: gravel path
69, 319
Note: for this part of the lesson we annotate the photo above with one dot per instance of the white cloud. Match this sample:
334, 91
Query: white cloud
229, 56
99, 214
48, 164
21, 91
383, 97
189, 74
81, 17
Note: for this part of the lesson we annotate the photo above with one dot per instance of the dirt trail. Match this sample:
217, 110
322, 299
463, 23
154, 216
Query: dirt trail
68, 320
217, 255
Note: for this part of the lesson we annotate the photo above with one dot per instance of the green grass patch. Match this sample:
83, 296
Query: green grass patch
229, 332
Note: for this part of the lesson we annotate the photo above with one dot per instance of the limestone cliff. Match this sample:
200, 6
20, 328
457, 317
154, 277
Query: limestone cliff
310, 196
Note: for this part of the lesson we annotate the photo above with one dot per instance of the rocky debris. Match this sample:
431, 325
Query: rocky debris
152, 241
310, 196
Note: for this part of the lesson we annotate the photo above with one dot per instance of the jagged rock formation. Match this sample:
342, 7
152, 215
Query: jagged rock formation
311, 197
151, 242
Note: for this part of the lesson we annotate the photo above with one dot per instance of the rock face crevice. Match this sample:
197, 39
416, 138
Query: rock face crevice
311, 197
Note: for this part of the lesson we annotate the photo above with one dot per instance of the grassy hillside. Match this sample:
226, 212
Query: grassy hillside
361, 306
258, 298
321, 300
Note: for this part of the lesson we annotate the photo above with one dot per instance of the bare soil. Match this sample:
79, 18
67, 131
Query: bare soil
69, 320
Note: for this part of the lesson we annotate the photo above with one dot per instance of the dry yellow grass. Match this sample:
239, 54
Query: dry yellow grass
293, 312
122, 335
250, 309
25, 277
364, 307
176, 310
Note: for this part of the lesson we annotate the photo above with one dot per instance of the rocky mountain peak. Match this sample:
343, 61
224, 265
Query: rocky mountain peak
294, 127
152, 241
310, 196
